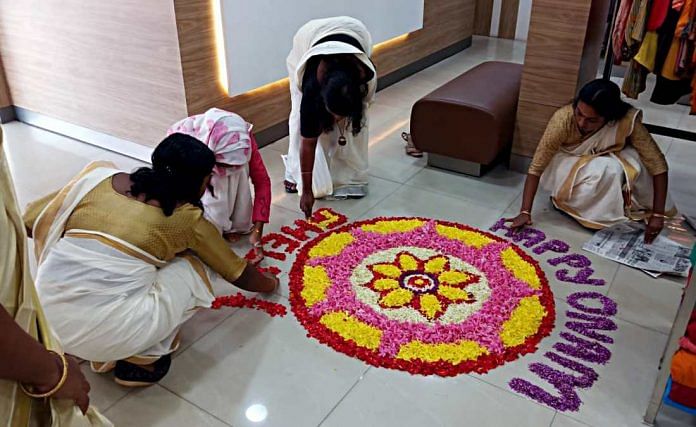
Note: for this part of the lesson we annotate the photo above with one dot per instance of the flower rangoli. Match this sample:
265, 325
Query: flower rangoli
424, 296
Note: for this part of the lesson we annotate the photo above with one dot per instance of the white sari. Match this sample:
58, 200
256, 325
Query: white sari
107, 299
335, 167
588, 182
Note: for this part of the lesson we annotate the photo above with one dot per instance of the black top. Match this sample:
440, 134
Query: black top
314, 119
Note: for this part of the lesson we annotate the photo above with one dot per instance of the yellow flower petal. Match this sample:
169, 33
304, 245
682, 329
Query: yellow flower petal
430, 305
435, 265
393, 226
316, 282
453, 277
452, 353
397, 298
522, 270
453, 294
388, 270
331, 245
408, 262
524, 322
350, 328
386, 284
470, 238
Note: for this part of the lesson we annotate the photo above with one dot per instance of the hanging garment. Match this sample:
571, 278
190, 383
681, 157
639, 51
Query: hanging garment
637, 22
658, 13
618, 39
648, 51
665, 35
634, 82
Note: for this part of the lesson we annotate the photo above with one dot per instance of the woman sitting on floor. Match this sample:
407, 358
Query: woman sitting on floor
124, 260
228, 203
600, 164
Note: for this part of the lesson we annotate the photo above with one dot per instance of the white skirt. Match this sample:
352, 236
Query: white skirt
107, 305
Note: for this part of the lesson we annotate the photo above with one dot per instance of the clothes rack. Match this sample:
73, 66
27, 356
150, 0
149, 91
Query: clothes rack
609, 65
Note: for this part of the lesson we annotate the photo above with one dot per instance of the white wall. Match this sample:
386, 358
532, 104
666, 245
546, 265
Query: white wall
258, 33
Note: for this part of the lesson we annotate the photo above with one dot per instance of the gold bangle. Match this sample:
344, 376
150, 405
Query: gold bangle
57, 387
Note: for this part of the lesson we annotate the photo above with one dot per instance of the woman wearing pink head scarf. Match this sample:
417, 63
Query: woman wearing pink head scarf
228, 201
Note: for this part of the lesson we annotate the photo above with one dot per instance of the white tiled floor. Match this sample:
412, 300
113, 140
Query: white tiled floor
233, 361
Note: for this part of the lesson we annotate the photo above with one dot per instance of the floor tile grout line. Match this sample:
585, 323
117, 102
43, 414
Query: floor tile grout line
510, 392
237, 310
456, 197
513, 201
350, 390
553, 420
105, 410
613, 279
194, 404
647, 328
184, 350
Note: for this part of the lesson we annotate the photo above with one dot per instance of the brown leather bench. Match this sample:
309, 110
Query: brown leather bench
468, 123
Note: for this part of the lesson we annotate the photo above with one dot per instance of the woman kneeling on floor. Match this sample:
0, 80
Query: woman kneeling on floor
125, 259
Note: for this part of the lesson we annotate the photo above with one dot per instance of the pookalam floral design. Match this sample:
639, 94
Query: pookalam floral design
428, 286
425, 296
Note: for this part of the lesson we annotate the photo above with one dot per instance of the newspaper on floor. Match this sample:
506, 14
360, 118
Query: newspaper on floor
624, 243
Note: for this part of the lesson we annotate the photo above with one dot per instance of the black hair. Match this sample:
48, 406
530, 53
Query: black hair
180, 164
605, 97
344, 91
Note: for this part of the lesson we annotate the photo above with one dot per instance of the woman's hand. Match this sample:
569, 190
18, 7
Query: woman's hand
307, 203
520, 221
256, 240
655, 225
76, 387
272, 283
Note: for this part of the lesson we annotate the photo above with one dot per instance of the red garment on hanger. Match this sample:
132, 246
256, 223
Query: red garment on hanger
658, 13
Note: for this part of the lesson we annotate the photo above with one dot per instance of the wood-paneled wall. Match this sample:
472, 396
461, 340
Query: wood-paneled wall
482, 19
562, 54
446, 22
507, 23
508, 19
109, 66
5, 98
130, 68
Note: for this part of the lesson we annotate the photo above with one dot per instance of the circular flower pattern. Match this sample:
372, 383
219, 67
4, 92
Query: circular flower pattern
424, 296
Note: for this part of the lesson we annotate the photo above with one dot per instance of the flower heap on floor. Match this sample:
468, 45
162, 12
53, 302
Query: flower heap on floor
424, 296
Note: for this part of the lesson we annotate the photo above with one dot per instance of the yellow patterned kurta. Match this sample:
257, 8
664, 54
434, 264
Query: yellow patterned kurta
18, 297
